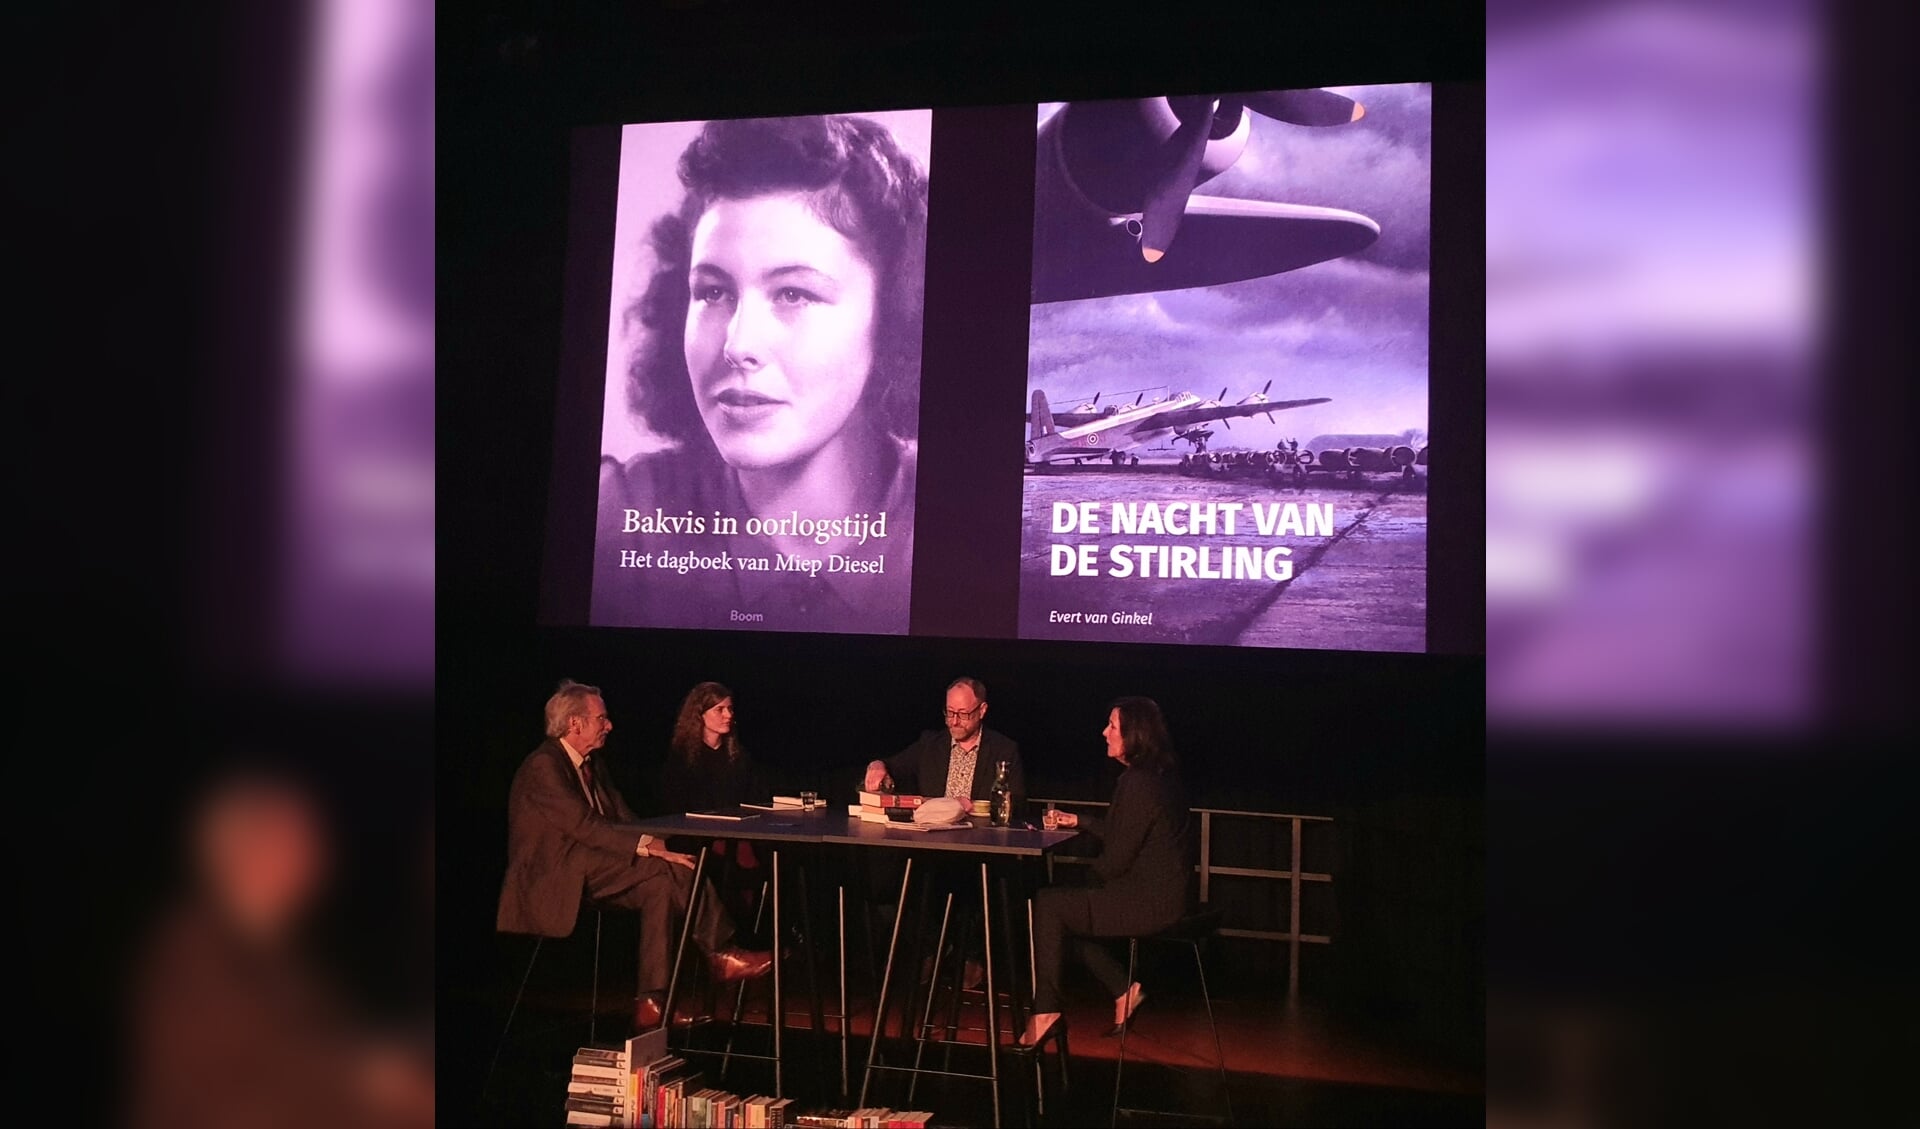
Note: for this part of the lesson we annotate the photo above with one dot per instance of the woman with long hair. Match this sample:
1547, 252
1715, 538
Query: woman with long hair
707, 767
781, 356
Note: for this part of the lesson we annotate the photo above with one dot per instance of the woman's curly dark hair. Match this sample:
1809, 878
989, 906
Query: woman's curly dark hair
689, 729
861, 184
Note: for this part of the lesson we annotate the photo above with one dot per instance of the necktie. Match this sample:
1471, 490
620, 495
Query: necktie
593, 787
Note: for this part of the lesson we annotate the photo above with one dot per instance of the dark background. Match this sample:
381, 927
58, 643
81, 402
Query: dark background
1390, 744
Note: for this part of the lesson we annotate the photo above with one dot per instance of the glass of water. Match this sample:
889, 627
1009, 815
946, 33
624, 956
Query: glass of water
1051, 820
809, 801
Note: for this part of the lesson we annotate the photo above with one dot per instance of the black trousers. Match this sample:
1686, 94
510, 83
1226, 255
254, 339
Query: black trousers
1063, 914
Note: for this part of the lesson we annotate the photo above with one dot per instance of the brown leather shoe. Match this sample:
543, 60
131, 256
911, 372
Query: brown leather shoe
646, 1014
730, 964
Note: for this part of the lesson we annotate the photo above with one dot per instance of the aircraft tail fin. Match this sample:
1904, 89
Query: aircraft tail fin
1040, 421
1042, 436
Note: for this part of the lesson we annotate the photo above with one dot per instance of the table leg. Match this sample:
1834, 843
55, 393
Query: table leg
840, 907
933, 984
993, 1004
686, 931
816, 1018
886, 981
740, 993
1016, 1006
779, 996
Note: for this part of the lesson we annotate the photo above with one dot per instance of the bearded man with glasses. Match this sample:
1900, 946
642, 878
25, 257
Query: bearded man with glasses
959, 761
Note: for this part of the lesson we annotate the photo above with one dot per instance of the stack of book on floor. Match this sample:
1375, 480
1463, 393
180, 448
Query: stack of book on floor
672, 1096
874, 806
600, 1092
870, 1118
604, 1088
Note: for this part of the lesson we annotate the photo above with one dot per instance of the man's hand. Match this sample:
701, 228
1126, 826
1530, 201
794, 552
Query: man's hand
677, 857
877, 777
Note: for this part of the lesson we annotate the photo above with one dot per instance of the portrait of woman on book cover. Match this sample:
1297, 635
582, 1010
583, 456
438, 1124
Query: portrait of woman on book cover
759, 449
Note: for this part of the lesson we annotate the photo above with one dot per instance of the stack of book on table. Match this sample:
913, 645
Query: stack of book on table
874, 806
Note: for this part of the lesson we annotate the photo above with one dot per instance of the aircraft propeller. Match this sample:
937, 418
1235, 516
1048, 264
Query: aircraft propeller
1181, 153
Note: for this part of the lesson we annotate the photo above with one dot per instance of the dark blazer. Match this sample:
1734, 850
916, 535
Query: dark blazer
920, 769
1144, 870
713, 781
555, 840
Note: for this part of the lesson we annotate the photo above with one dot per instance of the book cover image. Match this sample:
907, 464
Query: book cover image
760, 430
1226, 430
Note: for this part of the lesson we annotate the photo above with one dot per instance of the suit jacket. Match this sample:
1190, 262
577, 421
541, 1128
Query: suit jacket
1145, 867
920, 769
555, 839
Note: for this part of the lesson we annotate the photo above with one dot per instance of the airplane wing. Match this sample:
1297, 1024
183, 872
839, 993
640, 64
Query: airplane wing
1081, 254
1130, 421
1187, 417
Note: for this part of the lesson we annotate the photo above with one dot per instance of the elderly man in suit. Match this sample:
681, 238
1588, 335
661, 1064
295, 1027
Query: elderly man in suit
565, 841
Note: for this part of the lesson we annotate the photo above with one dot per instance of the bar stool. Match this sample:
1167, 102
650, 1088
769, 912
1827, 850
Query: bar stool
594, 1004
948, 977
1190, 931
767, 899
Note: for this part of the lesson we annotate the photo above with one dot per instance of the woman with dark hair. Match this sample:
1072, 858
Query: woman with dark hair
707, 768
1141, 875
781, 354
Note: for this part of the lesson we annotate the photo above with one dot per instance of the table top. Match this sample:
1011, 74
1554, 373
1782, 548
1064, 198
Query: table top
826, 825
788, 825
981, 838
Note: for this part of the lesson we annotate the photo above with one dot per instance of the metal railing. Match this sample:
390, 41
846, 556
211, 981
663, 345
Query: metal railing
1206, 868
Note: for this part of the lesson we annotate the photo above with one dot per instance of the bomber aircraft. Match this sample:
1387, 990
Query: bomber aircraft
1113, 434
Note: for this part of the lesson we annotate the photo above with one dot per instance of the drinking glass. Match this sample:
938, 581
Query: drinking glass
809, 801
1051, 820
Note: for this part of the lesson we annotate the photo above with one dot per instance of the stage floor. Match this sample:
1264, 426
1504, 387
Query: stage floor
1305, 1065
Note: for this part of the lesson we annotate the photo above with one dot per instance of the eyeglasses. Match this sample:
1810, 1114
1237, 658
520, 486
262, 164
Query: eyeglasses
961, 715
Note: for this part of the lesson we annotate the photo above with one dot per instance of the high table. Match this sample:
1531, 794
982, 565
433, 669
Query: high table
988, 844
837, 827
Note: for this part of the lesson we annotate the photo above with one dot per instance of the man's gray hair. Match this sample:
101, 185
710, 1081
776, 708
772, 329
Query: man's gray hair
567, 703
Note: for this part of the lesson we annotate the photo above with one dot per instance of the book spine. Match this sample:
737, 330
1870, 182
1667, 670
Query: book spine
594, 1104
585, 1073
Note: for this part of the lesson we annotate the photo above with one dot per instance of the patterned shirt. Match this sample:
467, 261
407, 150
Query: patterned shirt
960, 764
